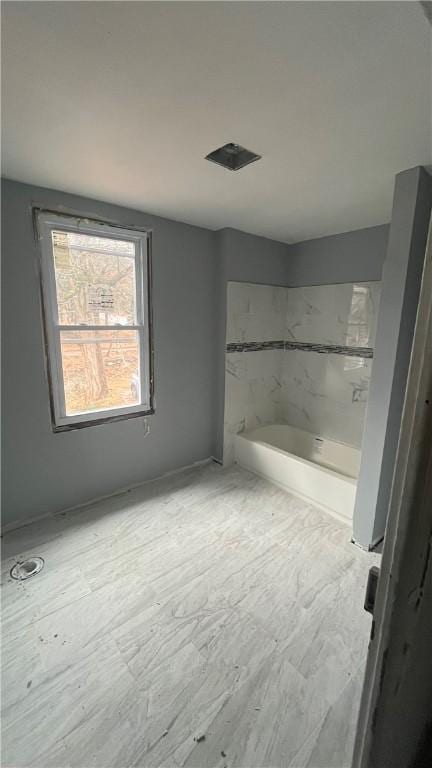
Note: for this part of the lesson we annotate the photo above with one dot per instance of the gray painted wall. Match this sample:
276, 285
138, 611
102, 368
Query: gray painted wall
244, 258
344, 258
396, 321
44, 472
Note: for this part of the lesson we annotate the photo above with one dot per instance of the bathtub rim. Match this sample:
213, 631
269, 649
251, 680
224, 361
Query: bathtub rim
287, 488
300, 459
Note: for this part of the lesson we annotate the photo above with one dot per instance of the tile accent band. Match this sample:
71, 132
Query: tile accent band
303, 346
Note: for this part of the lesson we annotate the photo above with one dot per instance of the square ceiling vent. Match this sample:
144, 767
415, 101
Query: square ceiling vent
232, 156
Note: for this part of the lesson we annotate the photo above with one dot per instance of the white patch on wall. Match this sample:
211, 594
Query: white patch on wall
325, 394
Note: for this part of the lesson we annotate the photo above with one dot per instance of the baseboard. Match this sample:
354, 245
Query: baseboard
375, 543
360, 546
370, 546
13, 526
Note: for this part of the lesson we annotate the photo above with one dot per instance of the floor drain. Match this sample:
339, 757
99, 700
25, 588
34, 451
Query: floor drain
28, 568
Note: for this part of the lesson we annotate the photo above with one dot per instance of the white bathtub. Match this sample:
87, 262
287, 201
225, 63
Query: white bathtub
319, 470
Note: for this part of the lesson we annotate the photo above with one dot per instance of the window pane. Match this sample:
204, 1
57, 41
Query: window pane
95, 279
100, 370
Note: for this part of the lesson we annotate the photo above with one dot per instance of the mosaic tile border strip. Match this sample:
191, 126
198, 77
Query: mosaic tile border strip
322, 349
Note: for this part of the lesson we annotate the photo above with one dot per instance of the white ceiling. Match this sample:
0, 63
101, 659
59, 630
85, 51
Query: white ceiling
121, 101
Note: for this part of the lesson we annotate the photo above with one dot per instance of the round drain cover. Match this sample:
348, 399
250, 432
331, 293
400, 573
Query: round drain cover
28, 568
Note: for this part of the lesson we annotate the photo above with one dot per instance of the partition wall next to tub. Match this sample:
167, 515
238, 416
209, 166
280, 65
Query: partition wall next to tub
298, 365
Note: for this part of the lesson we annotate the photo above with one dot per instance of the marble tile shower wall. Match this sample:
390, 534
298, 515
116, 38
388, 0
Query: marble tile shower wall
310, 376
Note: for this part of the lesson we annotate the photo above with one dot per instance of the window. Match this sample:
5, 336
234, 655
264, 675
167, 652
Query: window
358, 327
95, 281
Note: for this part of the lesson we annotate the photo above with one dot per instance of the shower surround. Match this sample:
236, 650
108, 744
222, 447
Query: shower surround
299, 356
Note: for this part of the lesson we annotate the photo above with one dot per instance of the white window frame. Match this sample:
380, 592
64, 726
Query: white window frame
46, 222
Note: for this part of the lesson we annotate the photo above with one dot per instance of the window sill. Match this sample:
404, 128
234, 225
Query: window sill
103, 420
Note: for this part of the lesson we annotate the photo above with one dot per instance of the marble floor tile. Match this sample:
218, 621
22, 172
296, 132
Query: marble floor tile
278, 588
72, 631
29, 536
124, 514
339, 628
264, 722
117, 558
56, 756
235, 642
309, 526
207, 603
178, 719
26, 601
22, 664
66, 698
331, 744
